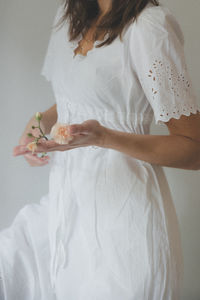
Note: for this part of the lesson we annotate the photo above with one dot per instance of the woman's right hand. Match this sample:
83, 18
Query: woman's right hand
33, 159
49, 118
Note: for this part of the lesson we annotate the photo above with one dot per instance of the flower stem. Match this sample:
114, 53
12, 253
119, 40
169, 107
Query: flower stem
43, 135
38, 117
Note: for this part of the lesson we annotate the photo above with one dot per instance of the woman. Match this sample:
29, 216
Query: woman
107, 229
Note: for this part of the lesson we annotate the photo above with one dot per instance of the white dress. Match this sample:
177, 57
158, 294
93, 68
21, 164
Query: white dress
107, 228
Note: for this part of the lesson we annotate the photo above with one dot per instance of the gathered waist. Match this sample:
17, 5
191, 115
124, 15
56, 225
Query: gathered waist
133, 122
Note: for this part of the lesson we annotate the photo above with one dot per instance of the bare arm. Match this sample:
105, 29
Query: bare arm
179, 149
48, 120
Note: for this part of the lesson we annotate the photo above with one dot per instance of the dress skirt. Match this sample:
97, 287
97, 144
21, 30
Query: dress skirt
107, 229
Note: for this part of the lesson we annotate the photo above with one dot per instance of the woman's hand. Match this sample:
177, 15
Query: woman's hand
88, 133
33, 159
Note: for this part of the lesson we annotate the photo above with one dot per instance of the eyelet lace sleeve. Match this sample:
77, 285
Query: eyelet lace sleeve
157, 56
47, 67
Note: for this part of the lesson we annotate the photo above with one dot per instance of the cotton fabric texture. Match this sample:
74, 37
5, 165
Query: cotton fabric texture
107, 228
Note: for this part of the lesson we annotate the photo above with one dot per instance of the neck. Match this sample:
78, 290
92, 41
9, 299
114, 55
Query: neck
104, 6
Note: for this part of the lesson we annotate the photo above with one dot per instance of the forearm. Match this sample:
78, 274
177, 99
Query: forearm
170, 150
49, 118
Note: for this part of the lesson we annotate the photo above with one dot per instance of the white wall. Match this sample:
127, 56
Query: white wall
24, 33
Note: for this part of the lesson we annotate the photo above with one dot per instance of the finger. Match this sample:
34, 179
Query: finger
48, 144
78, 129
51, 145
20, 150
37, 164
37, 158
33, 160
34, 164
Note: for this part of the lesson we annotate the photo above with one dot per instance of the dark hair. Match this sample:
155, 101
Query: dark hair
82, 13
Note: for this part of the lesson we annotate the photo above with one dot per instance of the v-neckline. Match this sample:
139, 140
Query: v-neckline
76, 42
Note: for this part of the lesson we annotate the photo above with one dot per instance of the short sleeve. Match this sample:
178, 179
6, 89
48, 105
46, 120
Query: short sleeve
157, 57
47, 67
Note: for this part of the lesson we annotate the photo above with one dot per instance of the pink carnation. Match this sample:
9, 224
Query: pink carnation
60, 133
32, 146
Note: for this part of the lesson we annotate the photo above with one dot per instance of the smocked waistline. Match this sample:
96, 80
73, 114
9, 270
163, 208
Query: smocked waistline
70, 113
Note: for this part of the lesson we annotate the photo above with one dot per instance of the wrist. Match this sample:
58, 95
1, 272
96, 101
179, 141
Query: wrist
118, 140
107, 135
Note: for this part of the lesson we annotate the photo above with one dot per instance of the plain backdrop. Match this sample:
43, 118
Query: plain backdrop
24, 33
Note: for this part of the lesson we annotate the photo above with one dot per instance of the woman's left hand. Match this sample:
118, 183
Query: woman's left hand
88, 133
